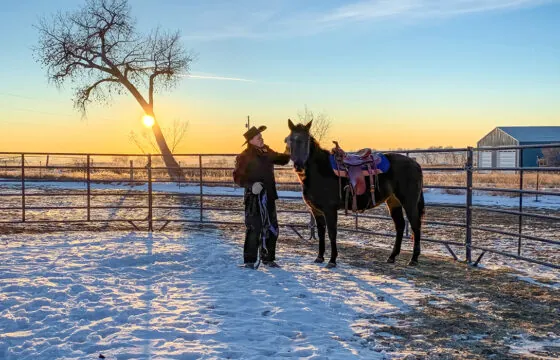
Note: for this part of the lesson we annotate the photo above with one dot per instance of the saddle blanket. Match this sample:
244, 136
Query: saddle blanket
381, 161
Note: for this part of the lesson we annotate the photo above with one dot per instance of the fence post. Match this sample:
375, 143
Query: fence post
468, 237
88, 183
520, 200
537, 194
406, 232
23, 187
131, 172
150, 220
538, 166
200, 180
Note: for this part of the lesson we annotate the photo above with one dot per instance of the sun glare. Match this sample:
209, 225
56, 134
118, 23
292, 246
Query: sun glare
148, 121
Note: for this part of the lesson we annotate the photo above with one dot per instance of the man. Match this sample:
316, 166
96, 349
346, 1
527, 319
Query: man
254, 171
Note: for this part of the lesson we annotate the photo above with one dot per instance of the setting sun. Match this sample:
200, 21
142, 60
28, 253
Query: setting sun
148, 121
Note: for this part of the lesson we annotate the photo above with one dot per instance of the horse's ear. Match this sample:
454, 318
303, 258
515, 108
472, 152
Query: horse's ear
291, 124
308, 126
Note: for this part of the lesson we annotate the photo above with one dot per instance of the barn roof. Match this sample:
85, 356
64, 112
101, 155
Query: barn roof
533, 133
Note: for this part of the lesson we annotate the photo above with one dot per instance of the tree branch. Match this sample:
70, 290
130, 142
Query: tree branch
83, 95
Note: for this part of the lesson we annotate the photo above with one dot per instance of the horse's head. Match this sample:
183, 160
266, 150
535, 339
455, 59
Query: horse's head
298, 143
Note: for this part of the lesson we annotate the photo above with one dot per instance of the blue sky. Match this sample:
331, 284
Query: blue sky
450, 68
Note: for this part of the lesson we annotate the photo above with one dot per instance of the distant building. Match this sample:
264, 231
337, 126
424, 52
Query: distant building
515, 136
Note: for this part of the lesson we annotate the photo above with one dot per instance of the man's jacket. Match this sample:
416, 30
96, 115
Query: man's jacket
257, 165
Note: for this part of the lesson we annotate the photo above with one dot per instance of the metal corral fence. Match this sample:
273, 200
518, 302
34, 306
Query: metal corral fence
45, 184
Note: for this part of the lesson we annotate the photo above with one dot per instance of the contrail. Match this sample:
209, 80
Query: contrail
213, 77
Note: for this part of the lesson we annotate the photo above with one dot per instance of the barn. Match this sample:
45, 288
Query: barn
515, 136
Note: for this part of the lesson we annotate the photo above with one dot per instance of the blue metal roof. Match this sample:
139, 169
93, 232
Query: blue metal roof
534, 134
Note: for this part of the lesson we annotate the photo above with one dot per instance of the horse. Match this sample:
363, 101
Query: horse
400, 187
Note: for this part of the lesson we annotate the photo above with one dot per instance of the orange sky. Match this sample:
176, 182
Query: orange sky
213, 128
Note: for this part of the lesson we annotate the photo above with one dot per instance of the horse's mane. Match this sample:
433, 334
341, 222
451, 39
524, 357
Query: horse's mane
315, 143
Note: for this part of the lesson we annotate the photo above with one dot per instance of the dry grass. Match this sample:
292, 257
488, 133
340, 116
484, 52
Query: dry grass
508, 180
546, 181
495, 179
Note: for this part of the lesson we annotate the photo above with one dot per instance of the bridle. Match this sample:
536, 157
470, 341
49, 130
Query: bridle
287, 140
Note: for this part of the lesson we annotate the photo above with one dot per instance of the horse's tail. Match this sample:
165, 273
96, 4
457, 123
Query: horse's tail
421, 206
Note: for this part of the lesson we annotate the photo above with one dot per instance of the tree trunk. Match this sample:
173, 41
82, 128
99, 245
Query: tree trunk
173, 168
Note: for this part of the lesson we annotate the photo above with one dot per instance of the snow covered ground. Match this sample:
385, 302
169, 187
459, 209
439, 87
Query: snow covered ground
183, 296
529, 272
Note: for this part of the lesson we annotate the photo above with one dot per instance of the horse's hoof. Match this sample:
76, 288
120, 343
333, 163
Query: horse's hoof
413, 263
319, 260
391, 260
330, 265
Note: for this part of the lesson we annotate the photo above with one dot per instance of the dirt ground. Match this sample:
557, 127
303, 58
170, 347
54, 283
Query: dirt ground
488, 311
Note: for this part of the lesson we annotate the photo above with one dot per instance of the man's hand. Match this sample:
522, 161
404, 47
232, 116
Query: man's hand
257, 188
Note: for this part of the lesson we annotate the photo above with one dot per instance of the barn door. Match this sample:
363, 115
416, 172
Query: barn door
506, 158
485, 159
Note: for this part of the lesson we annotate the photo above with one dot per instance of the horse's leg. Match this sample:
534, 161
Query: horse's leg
331, 217
321, 228
396, 211
414, 217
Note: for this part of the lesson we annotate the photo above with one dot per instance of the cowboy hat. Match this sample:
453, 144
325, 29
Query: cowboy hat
252, 132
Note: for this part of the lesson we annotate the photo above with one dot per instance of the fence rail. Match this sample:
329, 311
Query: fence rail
145, 174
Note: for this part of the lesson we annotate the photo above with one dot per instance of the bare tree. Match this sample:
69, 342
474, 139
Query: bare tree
99, 51
145, 141
321, 123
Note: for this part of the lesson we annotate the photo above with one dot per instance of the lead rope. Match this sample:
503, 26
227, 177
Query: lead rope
266, 226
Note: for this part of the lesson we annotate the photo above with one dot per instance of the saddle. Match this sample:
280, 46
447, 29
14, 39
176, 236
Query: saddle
355, 166
359, 157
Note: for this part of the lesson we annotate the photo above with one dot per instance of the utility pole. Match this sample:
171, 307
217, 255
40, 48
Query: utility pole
248, 125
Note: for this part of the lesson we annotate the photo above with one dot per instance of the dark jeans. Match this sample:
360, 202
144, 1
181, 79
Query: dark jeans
253, 230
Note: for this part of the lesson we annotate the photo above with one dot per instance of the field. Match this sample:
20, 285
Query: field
162, 283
